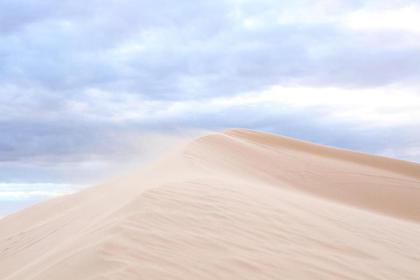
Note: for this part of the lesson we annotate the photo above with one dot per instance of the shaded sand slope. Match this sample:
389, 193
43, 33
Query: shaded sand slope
236, 205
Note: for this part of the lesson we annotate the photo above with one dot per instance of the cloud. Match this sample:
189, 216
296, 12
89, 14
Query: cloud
76, 151
402, 19
81, 83
189, 49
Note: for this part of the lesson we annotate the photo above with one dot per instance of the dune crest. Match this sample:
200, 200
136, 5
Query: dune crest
235, 205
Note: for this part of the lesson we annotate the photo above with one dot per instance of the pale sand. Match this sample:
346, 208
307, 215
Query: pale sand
237, 205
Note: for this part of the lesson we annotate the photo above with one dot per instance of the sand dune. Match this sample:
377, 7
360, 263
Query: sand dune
235, 205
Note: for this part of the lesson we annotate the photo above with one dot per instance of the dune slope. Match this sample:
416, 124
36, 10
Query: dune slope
236, 205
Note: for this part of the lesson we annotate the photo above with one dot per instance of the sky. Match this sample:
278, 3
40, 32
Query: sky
86, 86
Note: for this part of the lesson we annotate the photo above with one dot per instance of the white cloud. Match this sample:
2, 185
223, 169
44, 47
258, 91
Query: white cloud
24, 191
382, 106
405, 19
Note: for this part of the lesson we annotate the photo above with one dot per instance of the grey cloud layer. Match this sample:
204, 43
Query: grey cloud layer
185, 49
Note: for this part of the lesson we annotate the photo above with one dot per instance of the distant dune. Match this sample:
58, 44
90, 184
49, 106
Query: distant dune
235, 205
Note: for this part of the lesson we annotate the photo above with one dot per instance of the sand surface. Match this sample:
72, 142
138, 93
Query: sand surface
235, 205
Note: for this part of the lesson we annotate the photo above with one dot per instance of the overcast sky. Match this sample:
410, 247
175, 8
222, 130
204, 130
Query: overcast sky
85, 84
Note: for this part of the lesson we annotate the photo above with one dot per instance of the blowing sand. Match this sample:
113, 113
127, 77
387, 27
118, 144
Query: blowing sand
235, 205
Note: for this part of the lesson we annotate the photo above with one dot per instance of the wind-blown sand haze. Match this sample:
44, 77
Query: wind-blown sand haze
235, 205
